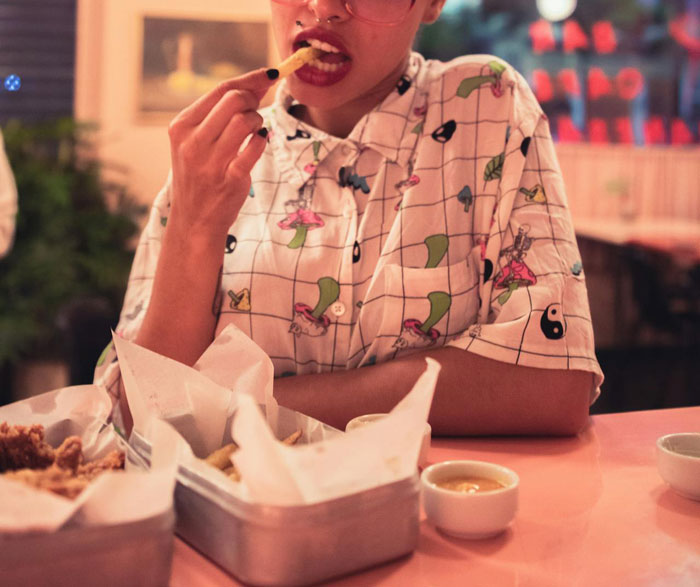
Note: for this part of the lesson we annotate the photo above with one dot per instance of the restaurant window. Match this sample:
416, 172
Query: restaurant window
37, 59
624, 72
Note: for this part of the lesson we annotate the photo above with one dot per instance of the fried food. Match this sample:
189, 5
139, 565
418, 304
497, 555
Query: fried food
70, 454
23, 447
221, 457
26, 457
292, 438
59, 481
298, 59
114, 461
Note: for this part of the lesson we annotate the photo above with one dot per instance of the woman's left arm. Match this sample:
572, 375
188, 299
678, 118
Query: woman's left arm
475, 395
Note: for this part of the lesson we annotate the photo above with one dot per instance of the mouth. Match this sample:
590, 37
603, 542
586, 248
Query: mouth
333, 64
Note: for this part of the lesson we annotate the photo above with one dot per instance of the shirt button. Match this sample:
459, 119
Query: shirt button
338, 309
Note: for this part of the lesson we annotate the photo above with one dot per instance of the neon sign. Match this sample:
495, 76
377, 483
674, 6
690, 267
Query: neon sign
608, 100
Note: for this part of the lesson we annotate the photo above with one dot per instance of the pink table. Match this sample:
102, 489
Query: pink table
593, 511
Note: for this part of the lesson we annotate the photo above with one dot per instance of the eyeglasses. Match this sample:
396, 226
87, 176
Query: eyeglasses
381, 12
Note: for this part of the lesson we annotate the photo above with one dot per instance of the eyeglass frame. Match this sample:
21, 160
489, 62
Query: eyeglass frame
346, 5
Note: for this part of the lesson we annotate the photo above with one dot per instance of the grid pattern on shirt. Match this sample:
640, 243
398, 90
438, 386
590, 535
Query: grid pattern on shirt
462, 232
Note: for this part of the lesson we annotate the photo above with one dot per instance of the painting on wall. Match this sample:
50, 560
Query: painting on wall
183, 59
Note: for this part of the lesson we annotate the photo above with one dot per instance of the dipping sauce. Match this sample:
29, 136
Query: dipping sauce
470, 484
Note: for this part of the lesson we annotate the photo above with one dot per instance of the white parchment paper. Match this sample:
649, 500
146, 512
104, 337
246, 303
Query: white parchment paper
229, 395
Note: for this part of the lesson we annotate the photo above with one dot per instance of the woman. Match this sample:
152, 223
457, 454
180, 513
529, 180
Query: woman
384, 209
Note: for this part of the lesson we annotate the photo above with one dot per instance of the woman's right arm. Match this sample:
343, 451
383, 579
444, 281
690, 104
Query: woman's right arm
211, 165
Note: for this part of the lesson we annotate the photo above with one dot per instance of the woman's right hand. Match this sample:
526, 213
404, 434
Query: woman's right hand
211, 173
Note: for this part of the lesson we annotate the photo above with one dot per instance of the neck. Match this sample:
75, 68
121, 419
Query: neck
340, 121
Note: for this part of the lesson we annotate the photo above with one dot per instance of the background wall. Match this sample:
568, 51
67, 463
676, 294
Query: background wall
37, 45
108, 67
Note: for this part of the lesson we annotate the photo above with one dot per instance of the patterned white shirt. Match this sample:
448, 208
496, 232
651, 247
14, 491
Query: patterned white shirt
440, 220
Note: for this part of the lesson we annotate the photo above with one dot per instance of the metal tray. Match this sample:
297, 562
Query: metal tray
298, 545
138, 554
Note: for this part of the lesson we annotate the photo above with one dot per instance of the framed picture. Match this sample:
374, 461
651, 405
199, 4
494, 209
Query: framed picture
181, 59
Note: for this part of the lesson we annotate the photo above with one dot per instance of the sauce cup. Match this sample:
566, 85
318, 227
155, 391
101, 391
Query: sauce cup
481, 514
678, 461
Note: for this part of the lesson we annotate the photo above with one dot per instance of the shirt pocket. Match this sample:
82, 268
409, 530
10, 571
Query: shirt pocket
418, 308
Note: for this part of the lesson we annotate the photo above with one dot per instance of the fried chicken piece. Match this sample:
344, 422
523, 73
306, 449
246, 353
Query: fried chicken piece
26, 457
70, 454
55, 479
111, 462
24, 447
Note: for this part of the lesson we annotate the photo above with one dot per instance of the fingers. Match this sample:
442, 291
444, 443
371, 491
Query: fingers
256, 82
240, 167
229, 142
229, 108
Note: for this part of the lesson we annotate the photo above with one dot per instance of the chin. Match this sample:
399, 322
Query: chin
325, 98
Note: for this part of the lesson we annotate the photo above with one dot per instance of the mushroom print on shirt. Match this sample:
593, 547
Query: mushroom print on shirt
440, 220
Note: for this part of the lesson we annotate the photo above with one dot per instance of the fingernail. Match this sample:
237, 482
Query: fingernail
272, 73
263, 132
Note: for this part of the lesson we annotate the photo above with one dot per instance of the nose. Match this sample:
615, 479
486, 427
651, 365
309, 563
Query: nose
328, 10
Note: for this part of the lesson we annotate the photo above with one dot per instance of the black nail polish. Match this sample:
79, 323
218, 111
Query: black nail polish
272, 73
263, 132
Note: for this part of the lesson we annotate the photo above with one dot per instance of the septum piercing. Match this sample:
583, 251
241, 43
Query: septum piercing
328, 20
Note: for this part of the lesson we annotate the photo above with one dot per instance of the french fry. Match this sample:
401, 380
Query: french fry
292, 438
300, 58
232, 473
220, 457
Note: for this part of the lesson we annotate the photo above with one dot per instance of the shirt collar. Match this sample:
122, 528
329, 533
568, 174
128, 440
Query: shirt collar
392, 128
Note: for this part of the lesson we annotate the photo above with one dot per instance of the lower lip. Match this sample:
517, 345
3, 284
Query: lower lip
316, 77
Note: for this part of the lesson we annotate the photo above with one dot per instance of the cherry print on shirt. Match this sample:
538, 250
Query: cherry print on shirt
240, 301
515, 273
552, 323
437, 246
231, 242
444, 133
314, 321
403, 85
493, 77
536, 194
417, 334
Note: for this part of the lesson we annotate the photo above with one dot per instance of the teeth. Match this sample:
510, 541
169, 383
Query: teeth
327, 47
325, 66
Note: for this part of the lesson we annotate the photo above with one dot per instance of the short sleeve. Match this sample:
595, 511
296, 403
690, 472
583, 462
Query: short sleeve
534, 303
139, 288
